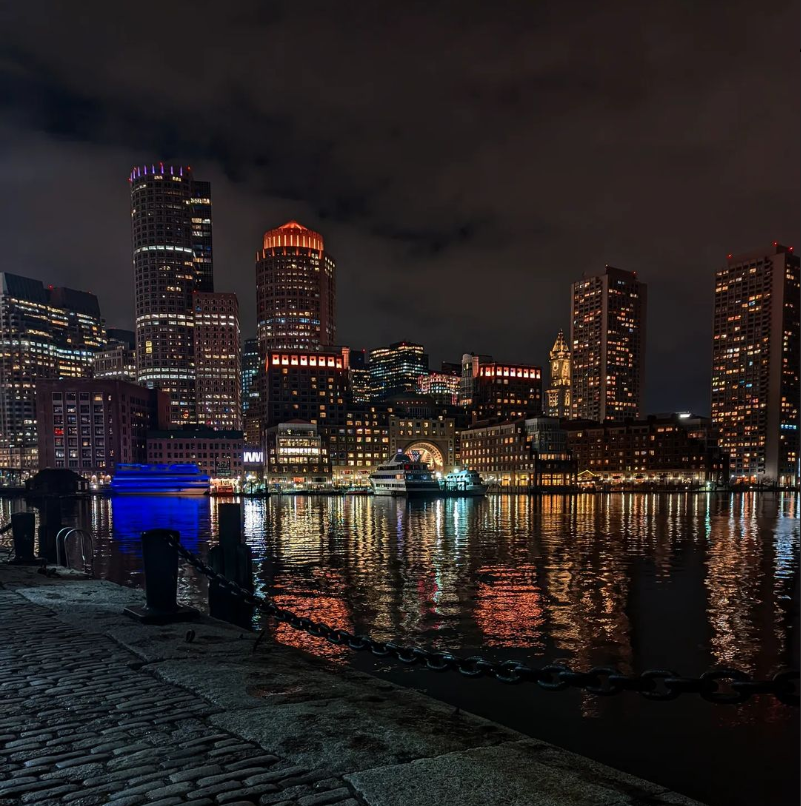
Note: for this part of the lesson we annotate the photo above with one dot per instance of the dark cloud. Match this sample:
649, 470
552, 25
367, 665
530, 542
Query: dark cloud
464, 161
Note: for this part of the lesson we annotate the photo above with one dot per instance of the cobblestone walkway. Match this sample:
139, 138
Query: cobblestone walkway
82, 722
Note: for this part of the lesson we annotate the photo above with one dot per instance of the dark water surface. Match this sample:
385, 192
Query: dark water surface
637, 581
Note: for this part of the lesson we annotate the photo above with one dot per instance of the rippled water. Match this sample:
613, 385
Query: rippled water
637, 581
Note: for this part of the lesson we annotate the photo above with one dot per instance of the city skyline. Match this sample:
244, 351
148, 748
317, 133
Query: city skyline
533, 167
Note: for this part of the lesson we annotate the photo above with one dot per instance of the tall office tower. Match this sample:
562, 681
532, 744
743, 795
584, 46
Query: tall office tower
394, 370
39, 340
359, 376
490, 390
118, 360
441, 387
558, 394
755, 364
251, 365
295, 291
78, 329
217, 360
201, 235
171, 260
607, 338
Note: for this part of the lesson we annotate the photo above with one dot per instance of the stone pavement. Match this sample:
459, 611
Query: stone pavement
98, 709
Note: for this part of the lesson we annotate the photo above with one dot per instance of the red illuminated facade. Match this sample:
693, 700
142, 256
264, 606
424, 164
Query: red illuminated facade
491, 391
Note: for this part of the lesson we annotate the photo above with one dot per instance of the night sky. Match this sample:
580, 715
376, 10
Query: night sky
464, 161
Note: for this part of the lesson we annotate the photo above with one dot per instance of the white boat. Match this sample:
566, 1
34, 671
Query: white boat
404, 475
464, 482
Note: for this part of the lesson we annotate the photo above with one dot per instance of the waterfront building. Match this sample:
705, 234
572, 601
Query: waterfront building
171, 259
434, 438
557, 397
660, 450
251, 369
395, 370
296, 456
499, 392
40, 338
607, 339
218, 453
118, 359
357, 446
305, 385
441, 387
756, 357
521, 455
295, 291
90, 425
217, 360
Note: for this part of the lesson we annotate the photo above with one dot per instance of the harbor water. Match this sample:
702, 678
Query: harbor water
637, 581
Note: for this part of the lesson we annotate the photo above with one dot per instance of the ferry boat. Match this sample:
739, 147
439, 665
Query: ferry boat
178, 479
404, 475
464, 482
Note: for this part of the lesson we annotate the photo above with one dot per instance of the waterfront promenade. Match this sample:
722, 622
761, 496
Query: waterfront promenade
98, 709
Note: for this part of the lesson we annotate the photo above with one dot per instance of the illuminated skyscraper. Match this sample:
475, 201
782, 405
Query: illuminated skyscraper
217, 361
171, 235
295, 291
45, 333
251, 365
395, 370
607, 338
118, 360
558, 394
755, 364
491, 391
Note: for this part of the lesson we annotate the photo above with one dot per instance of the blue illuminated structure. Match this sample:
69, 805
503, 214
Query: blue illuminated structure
178, 479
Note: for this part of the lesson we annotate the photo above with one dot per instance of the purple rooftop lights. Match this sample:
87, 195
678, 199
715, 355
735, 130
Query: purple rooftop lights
157, 169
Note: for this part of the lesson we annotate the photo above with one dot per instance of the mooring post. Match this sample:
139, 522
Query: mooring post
23, 532
160, 561
49, 526
233, 559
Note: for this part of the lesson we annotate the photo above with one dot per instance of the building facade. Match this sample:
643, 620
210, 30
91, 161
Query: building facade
360, 389
295, 291
662, 450
118, 359
755, 364
395, 370
441, 387
499, 392
305, 385
251, 368
91, 425
296, 456
558, 397
217, 453
171, 259
357, 446
218, 372
522, 455
39, 340
434, 438
607, 340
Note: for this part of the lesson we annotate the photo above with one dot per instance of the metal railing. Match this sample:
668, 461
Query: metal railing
62, 555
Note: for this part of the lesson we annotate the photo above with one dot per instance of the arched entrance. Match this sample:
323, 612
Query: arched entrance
429, 453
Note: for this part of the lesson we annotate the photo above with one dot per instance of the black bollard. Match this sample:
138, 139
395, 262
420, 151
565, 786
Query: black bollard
160, 560
23, 530
233, 559
49, 526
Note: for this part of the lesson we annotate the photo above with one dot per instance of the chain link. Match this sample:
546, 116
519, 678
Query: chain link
721, 686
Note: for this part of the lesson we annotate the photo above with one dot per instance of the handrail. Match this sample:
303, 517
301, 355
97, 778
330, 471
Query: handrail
61, 548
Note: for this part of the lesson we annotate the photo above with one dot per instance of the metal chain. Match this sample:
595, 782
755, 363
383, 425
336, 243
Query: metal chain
722, 685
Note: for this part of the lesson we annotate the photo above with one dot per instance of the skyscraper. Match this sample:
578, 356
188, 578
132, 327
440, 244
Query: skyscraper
45, 333
558, 394
171, 259
756, 352
251, 366
395, 370
489, 390
607, 337
217, 360
295, 291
